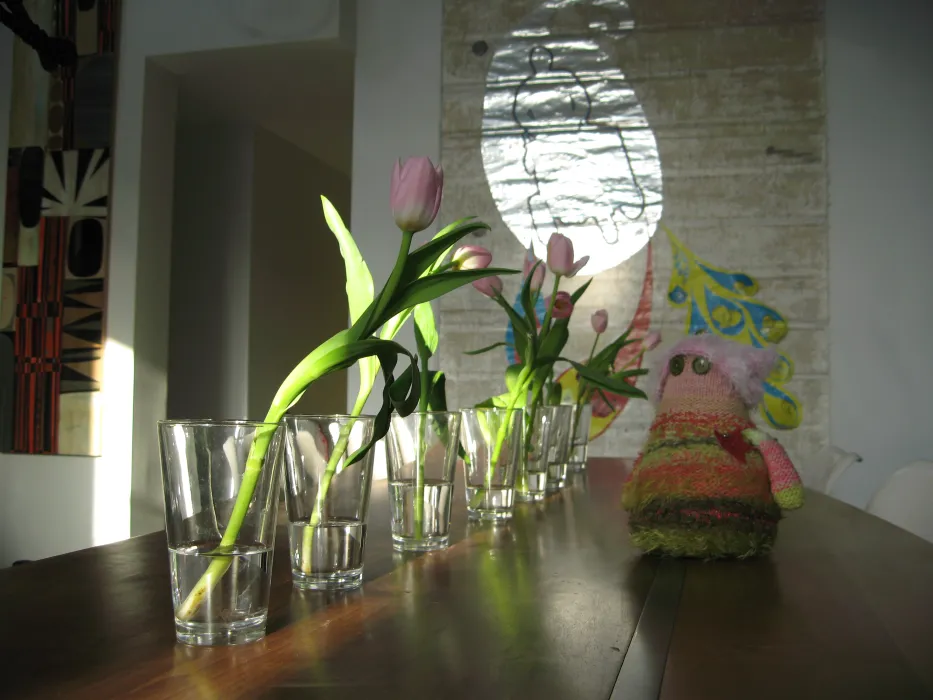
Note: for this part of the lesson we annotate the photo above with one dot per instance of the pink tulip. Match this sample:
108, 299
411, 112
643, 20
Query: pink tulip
651, 341
600, 320
471, 257
563, 306
490, 286
537, 278
416, 192
560, 256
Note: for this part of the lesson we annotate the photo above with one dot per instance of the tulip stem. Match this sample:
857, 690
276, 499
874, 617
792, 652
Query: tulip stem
546, 325
340, 447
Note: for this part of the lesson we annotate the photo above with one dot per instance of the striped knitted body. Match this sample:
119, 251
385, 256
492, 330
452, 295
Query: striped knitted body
699, 489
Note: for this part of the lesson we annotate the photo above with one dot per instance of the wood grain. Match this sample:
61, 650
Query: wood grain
842, 609
545, 607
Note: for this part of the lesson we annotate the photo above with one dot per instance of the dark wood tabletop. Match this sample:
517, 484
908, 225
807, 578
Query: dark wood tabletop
555, 604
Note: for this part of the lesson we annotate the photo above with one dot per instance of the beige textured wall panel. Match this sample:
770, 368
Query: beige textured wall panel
715, 98
481, 19
667, 53
733, 91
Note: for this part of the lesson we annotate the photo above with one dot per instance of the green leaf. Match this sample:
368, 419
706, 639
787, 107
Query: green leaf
512, 376
521, 332
553, 342
434, 286
359, 279
616, 386
575, 297
422, 258
485, 349
437, 396
424, 321
500, 401
526, 300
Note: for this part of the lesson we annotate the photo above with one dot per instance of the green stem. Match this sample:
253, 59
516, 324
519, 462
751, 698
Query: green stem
582, 392
423, 421
546, 325
340, 447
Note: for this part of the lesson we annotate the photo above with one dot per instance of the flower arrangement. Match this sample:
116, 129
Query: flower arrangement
603, 363
539, 349
418, 277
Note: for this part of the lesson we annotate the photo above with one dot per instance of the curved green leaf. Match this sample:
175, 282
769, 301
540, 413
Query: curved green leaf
360, 289
575, 296
437, 285
422, 258
500, 344
528, 305
613, 384
424, 320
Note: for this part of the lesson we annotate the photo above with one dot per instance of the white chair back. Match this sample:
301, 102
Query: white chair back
906, 499
823, 469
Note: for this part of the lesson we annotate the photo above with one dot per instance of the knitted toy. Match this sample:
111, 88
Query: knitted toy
708, 483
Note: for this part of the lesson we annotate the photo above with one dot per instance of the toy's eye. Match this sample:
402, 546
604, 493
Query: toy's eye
700, 365
677, 365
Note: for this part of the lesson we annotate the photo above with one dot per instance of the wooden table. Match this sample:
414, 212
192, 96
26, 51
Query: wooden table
555, 605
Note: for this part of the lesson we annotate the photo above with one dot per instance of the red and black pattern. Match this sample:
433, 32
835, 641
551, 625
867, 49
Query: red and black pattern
38, 343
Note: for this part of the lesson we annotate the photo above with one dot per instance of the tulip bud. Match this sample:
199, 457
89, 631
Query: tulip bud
490, 286
416, 192
560, 256
471, 257
563, 306
600, 320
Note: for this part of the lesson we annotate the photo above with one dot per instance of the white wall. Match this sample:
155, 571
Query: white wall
208, 357
50, 505
296, 274
397, 113
879, 73
152, 318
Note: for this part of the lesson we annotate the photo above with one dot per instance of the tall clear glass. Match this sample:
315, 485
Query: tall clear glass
558, 452
531, 484
580, 436
327, 499
421, 458
492, 438
221, 482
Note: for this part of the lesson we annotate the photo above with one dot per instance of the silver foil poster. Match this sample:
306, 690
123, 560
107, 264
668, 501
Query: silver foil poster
566, 145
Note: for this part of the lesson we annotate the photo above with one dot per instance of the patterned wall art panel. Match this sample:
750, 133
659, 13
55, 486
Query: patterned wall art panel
53, 302
679, 143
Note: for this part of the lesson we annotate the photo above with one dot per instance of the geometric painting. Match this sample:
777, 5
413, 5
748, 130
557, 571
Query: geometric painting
55, 233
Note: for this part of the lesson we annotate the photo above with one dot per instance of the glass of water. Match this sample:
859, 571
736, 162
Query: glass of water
327, 498
580, 436
221, 482
422, 454
558, 452
492, 438
530, 486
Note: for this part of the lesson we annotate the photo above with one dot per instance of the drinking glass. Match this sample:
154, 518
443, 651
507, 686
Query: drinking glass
558, 451
221, 481
492, 438
421, 457
532, 479
580, 436
327, 498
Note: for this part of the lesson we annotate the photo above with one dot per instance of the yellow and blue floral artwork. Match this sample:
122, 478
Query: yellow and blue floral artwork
722, 302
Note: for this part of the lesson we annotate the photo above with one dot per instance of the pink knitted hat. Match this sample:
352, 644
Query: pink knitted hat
745, 367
